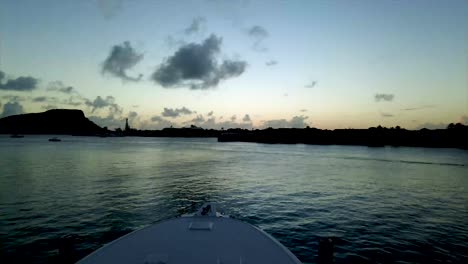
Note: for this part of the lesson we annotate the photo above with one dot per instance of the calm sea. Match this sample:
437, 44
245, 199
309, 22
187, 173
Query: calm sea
380, 205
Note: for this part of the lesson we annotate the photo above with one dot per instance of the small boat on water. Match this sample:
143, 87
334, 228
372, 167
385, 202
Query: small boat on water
205, 237
16, 136
55, 139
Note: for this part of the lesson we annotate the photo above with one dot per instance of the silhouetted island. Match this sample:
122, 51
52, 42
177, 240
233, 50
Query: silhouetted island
56, 121
74, 122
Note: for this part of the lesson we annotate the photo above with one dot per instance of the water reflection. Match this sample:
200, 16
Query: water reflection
101, 188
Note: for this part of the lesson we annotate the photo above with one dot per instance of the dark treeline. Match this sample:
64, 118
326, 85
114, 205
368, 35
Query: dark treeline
454, 136
74, 122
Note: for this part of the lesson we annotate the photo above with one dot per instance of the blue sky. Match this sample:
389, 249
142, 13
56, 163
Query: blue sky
327, 64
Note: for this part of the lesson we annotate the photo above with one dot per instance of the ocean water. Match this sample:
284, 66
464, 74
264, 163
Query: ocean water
380, 205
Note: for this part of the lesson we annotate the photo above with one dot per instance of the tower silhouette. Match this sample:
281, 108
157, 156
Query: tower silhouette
127, 127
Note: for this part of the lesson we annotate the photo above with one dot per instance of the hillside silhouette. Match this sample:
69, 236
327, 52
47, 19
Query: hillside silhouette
55, 121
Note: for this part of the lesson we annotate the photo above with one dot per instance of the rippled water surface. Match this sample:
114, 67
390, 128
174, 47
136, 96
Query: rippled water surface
381, 205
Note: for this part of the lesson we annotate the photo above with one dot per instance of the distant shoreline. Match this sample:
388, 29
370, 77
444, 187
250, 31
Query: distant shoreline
74, 122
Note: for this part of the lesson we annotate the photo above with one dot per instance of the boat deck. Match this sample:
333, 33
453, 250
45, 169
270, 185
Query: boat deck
197, 239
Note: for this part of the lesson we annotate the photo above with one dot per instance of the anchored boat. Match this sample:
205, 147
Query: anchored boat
205, 237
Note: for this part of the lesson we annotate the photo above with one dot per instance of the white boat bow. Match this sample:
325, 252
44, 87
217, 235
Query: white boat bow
205, 237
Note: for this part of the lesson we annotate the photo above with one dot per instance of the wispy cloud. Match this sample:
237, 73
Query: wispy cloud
271, 63
108, 101
58, 86
418, 108
196, 26
258, 34
311, 84
383, 114
384, 97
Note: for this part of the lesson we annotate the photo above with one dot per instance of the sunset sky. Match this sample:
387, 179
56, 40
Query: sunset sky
326, 64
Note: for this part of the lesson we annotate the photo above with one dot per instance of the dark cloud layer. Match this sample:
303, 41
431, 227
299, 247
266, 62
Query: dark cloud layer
12, 108
169, 112
384, 97
22, 83
196, 66
121, 59
196, 25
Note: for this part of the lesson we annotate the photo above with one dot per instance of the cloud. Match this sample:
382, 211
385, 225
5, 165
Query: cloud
71, 101
60, 87
384, 97
12, 108
311, 85
211, 123
418, 108
100, 102
271, 63
160, 123
386, 114
40, 99
258, 34
303, 110
49, 106
111, 121
233, 118
246, 118
132, 115
121, 59
198, 119
20, 84
295, 122
430, 125
196, 66
210, 113
173, 42
464, 119
196, 25
109, 8
169, 112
